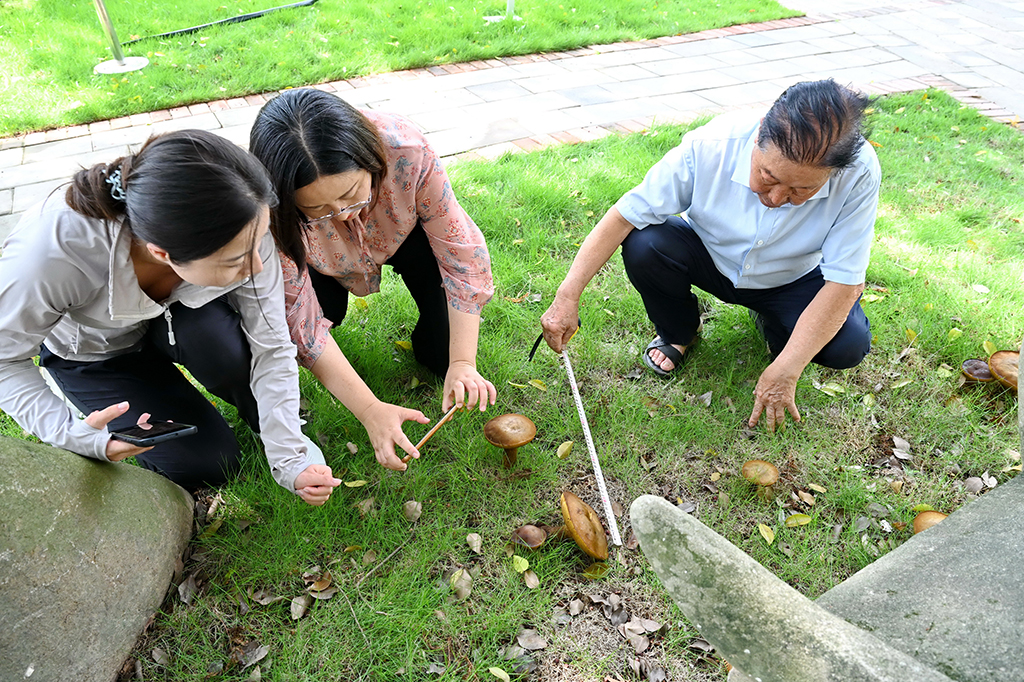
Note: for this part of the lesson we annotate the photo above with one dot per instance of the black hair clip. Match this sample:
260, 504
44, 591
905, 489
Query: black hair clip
536, 344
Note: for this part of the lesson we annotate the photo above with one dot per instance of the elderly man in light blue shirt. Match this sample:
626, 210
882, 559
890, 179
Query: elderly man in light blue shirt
779, 217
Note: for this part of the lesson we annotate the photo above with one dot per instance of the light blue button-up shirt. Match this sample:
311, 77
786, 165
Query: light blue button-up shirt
707, 177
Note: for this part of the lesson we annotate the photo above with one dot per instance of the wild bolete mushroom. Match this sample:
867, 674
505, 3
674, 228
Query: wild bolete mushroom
529, 536
584, 527
926, 520
510, 432
976, 370
760, 472
1004, 366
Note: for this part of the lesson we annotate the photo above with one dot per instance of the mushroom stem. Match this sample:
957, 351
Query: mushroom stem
509, 460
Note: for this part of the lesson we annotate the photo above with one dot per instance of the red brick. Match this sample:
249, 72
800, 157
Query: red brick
324, 87
99, 127
254, 100
528, 144
78, 131
218, 105
450, 68
140, 119
436, 71
35, 138
616, 128
122, 122
200, 108
635, 126
340, 85
545, 140
479, 65
56, 134
494, 63
160, 115
565, 137
233, 103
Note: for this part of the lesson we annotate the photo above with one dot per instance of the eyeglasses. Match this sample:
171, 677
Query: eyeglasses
348, 210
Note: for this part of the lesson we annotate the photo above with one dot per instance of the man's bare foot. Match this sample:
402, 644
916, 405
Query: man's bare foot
662, 360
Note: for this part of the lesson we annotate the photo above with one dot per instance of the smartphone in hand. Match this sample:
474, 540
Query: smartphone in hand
151, 433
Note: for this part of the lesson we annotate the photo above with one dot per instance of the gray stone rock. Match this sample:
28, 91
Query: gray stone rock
953, 596
760, 624
87, 551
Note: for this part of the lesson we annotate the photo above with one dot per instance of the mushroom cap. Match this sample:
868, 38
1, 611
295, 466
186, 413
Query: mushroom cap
529, 536
976, 370
510, 431
926, 520
1004, 365
760, 472
584, 526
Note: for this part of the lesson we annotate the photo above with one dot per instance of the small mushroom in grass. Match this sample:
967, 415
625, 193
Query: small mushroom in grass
1004, 366
762, 474
529, 536
510, 432
926, 520
976, 370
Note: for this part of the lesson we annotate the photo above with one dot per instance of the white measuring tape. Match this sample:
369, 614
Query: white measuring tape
609, 515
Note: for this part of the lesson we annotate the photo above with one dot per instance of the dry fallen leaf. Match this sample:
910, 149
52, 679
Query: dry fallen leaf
265, 597
816, 488
249, 654
365, 507
530, 640
974, 484
794, 520
519, 564
531, 579
369, 557
188, 589
462, 584
767, 533
300, 605
538, 384
596, 570
161, 657
565, 449
412, 510
500, 674
989, 347
354, 484
351, 448
404, 345
475, 542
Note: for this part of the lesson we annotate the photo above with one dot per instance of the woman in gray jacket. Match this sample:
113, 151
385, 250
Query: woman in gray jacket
158, 258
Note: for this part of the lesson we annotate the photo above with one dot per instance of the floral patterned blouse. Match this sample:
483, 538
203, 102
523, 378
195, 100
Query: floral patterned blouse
352, 251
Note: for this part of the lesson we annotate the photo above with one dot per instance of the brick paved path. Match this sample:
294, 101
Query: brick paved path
972, 48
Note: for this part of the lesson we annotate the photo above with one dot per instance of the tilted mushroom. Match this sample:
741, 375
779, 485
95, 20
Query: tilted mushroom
976, 370
926, 520
1004, 366
760, 472
529, 536
584, 527
510, 432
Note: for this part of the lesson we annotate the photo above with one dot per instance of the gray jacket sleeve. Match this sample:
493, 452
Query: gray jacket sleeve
38, 283
275, 372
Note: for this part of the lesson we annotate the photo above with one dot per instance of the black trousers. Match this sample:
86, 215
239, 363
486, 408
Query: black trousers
417, 265
663, 263
211, 345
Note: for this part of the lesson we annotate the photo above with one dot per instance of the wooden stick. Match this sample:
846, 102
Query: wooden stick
431, 432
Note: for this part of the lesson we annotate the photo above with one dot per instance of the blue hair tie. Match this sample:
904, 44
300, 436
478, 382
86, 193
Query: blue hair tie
116, 188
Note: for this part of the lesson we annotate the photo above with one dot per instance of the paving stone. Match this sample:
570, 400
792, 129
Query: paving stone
11, 157
6, 201
237, 134
597, 114
700, 47
1003, 75
438, 101
547, 122
628, 72
566, 80
491, 92
7, 223
55, 150
591, 94
746, 93
40, 171
735, 58
236, 117
685, 65
471, 137
27, 196
684, 103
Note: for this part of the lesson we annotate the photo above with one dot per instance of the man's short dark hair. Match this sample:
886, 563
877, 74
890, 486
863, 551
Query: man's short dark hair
816, 123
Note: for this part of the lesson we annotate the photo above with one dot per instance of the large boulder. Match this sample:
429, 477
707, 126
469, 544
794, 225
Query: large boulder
87, 551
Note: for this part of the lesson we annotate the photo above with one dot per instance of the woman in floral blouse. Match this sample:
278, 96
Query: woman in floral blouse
359, 190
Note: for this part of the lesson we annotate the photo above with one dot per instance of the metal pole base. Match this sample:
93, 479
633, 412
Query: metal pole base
114, 66
503, 17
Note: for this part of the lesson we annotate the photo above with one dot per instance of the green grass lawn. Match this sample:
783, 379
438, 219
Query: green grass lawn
944, 283
48, 48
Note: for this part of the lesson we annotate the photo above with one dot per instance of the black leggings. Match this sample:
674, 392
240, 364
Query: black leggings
211, 345
417, 265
